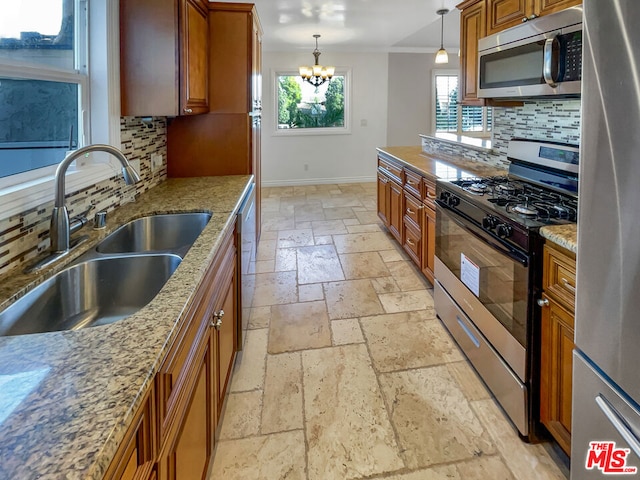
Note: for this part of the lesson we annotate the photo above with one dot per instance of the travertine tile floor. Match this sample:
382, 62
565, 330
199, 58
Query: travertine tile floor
347, 373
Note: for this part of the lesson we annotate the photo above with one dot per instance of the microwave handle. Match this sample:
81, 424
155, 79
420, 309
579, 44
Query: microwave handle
551, 46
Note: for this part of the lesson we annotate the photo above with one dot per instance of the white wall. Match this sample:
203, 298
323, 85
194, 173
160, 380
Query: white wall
330, 158
410, 95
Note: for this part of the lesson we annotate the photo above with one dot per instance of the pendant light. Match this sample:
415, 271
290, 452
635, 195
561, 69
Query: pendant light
442, 56
316, 75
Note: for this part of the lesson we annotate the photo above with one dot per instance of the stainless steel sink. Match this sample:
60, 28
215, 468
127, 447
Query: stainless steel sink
91, 293
173, 233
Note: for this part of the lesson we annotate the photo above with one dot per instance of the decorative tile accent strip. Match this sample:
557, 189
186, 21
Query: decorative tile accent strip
24, 236
558, 121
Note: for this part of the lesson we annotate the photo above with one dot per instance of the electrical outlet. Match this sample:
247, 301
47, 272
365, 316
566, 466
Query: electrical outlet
306, 167
156, 162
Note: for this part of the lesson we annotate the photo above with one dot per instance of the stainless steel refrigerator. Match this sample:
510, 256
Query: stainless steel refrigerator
606, 383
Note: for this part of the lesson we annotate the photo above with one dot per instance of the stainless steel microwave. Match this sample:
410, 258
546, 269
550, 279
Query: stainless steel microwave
540, 58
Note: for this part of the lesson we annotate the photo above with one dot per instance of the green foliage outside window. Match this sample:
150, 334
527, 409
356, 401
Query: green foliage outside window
301, 105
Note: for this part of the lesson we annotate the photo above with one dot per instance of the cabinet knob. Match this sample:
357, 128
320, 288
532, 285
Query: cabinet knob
188, 110
530, 17
216, 319
543, 302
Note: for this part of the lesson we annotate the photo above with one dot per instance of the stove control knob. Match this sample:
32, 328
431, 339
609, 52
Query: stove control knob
444, 196
489, 222
503, 230
453, 201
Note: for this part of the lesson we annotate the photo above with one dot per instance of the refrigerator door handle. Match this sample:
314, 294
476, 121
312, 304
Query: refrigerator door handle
618, 422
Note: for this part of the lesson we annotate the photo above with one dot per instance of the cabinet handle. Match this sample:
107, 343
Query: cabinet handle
568, 286
216, 319
188, 110
543, 302
410, 212
410, 182
410, 242
432, 197
530, 17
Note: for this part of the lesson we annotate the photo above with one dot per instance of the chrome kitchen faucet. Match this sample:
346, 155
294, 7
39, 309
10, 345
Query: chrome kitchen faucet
61, 227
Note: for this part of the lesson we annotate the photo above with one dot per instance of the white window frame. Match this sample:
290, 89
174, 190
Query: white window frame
294, 132
444, 72
99, 121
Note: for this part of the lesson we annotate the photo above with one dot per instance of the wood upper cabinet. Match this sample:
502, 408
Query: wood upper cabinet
557, 343
472, 28
507, 13
504, 14
163, 57
235, 36
194, 43
545, 7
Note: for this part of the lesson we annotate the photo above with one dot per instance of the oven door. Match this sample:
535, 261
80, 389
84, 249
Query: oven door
489, 279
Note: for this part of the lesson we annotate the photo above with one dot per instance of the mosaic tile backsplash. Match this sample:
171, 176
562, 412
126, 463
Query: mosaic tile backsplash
558, 121
24, 236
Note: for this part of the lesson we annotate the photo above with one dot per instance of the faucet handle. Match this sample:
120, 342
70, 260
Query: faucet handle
100, 220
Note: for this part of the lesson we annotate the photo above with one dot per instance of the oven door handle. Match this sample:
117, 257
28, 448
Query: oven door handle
496, 243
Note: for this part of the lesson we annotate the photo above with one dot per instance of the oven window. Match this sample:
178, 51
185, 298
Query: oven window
500, 282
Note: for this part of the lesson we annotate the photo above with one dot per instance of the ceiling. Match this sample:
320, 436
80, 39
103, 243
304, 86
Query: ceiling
358, 25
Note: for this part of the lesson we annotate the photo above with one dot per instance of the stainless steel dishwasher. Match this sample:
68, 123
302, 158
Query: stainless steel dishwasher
247, 240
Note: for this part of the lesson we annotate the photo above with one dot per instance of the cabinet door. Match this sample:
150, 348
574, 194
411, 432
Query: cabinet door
188, 456
194, 71
556, 366
136, 455
545, 7
472, 28
504, 14
395, 211
383, 199
428, 242
226, 342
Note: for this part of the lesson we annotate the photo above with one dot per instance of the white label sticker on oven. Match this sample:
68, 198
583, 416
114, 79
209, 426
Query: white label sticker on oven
470, 274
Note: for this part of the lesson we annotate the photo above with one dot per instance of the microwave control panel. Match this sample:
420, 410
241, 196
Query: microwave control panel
572, 51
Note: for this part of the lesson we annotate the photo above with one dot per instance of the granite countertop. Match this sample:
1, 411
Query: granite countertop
442, 166
564, 235
67, 398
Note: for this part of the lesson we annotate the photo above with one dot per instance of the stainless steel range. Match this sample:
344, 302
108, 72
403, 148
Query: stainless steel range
488, 267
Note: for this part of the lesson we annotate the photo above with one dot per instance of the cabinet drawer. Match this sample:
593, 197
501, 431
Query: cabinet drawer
392, 169
413, 183
412, 241
559, 276
412, 207
429, 189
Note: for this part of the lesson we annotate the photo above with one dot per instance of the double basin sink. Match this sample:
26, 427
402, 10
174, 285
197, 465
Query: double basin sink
113, 280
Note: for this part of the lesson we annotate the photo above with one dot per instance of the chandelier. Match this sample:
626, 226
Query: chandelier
316, 75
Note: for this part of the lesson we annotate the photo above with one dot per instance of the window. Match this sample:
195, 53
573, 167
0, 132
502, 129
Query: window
305, 109
43, 83
453, 118
45, 89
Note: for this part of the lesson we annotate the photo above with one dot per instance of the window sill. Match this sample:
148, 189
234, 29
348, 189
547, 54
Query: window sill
476, 143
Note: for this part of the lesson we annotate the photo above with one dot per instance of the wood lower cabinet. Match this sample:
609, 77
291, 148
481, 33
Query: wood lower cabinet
173, 434
164, 57
383, 198
390, 197
428, 242
557, 343
395, 210
135, 458
406, 206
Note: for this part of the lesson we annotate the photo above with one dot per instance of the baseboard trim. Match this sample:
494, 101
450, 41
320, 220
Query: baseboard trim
316, 181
